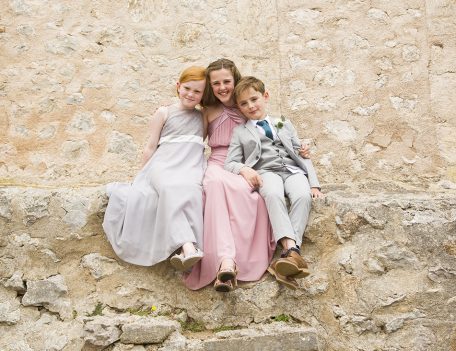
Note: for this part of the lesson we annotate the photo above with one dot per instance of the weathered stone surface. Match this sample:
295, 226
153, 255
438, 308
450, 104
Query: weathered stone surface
15, 282
268, 338
147, 331
123, 145
102, 331
99, 266
360, 245
9, 312
123, 347
35, 207
49, 293
381, 66
175, 342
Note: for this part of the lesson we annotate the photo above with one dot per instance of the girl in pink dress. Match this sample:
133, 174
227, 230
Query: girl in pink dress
238, 242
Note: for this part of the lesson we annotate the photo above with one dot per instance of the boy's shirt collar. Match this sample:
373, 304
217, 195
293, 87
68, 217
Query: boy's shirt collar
253, 123
267, 118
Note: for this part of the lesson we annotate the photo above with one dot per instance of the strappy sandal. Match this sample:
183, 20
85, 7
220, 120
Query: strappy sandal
227, 274
223, 286
226, 279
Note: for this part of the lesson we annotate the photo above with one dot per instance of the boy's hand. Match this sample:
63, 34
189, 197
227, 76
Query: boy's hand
304, 151
317, 194
252, 177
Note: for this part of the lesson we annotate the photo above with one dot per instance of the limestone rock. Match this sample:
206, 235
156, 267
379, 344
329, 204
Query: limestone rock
76, 210
9, 312
49, 293
74, 150
99, 266
35, 207
122, 347
82, 122
123, 145
175, 342
268, 338
5, 207
147, 331
101, 331
15, 282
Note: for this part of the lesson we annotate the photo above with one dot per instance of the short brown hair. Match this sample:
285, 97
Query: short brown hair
248, 82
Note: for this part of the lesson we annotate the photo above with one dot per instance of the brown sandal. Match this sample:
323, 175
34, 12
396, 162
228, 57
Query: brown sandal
223, 286
289, 282
227, 274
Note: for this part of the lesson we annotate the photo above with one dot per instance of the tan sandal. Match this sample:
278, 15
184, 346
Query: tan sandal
289, 282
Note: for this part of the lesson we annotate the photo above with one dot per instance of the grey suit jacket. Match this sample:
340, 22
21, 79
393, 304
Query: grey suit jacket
245, 149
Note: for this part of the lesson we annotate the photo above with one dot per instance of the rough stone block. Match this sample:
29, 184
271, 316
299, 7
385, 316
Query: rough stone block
147, 331
268, 338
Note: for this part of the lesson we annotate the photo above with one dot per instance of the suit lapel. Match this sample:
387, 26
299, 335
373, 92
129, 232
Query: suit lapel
283, 135
253, 131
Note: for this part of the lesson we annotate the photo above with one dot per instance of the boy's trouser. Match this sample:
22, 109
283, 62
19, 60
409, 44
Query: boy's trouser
297, 188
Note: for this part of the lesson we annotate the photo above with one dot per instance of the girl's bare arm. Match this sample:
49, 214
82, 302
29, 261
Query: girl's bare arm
155, 128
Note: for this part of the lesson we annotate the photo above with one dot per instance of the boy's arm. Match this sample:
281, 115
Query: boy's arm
311, 174
234, 163
294, 138
235, 157
299, 148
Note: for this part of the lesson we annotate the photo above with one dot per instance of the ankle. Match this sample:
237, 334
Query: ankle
188, 249
286, 252
227, 263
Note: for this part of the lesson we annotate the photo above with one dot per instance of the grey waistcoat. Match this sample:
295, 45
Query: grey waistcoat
274, 157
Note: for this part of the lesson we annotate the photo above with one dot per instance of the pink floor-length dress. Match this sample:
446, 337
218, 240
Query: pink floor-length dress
236, 223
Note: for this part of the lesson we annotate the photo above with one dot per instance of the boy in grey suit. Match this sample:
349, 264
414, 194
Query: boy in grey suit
266, 153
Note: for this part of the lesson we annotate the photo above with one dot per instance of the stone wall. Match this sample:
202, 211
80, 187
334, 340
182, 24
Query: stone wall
372, 82
383, 273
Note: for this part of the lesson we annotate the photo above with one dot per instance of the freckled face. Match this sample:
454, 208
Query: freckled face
252, 103
222, 84
191, 93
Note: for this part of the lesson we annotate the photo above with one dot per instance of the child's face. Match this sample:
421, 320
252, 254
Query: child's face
252, 103
191, 93
222, 84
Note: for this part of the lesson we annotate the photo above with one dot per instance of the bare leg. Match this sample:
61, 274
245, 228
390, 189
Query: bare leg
188, 249
227, 263
287, 243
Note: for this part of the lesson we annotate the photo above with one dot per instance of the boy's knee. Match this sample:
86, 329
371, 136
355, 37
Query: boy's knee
271, 195
304, 197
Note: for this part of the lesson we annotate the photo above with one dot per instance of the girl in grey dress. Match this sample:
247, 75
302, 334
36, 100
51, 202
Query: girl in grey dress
161, 212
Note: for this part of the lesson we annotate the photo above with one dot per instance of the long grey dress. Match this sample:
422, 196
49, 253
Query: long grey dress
148, 220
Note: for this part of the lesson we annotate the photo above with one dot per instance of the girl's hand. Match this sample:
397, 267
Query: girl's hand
304, 151
317, 194
252, 177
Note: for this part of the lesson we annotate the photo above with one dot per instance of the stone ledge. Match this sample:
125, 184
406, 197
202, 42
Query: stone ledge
382, 273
